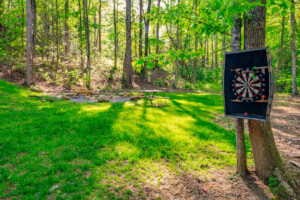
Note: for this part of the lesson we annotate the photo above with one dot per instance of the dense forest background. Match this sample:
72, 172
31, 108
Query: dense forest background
173, 43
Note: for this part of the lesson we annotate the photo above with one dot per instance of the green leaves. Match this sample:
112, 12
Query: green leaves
279, 6
284, 12
275, 10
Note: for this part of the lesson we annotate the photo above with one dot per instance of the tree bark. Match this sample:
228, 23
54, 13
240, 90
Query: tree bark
57, 37
196, 47
212, 52
53, 31
239, 123
100, 24
224, 47
23, 23
115, 38
80, 39
203, 55
236, 35
34, 39
87, 35
294, 56
207, 54
1, 12
46, 30
147, 27
177, 48
29, 44
157, 34
67, 39
241, 166
127, 69
141, 30
268, 162
280, 56
216, 51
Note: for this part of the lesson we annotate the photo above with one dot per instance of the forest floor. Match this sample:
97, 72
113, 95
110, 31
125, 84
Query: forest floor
157, 79
193, 158
285, 120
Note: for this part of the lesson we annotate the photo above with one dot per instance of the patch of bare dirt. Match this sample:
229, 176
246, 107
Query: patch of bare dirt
158, 181
285, 119
222, 184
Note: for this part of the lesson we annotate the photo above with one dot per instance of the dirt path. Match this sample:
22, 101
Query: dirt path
285, 120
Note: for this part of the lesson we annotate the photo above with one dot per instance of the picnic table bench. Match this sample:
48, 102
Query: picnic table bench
150, 94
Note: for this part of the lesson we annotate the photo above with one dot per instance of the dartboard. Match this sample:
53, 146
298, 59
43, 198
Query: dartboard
248, 85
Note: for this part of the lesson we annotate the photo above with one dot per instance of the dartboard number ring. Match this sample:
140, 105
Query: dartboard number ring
248, 85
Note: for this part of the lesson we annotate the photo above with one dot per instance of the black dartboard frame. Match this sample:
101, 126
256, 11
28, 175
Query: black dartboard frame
248, 84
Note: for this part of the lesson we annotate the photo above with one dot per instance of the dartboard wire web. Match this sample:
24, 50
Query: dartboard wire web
248, 85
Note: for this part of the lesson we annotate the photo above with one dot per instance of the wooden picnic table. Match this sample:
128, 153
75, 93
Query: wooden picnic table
150, 94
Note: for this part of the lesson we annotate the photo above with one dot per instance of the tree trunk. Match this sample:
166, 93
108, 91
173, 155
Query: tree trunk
280, 56
67, 39
236, 35
239, 123
80, 37
141, 30
157, 34
34, 39
196, 48
95, 38
52, 31
294, 56
46, 30
216, 51
100, 24
23, 23
224, 47
87, 35
207, 54
117, 34
135, 44
177, 47
29, 44
203, 55
127, 69
147, 27
57, 37
115, 38
212, 52
1, 11
268, 162
134, 33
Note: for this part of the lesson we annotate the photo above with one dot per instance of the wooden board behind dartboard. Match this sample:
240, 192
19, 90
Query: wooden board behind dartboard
248, 84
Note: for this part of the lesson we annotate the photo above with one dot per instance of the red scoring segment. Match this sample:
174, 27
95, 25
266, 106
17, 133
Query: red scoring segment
247, 85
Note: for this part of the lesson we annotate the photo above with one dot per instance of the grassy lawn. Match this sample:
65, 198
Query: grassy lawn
75, 151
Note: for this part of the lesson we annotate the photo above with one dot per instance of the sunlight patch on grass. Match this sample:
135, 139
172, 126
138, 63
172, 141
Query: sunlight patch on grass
106, 150
95, 108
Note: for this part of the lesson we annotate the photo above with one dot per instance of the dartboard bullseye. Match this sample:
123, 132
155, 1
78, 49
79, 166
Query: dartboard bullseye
248, 85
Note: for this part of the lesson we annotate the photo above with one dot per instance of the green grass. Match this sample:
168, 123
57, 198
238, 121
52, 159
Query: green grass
216, 86
105, 150
285, 83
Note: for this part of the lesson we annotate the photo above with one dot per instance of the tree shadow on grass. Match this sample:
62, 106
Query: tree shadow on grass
64, 143
221, 133
48, 144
